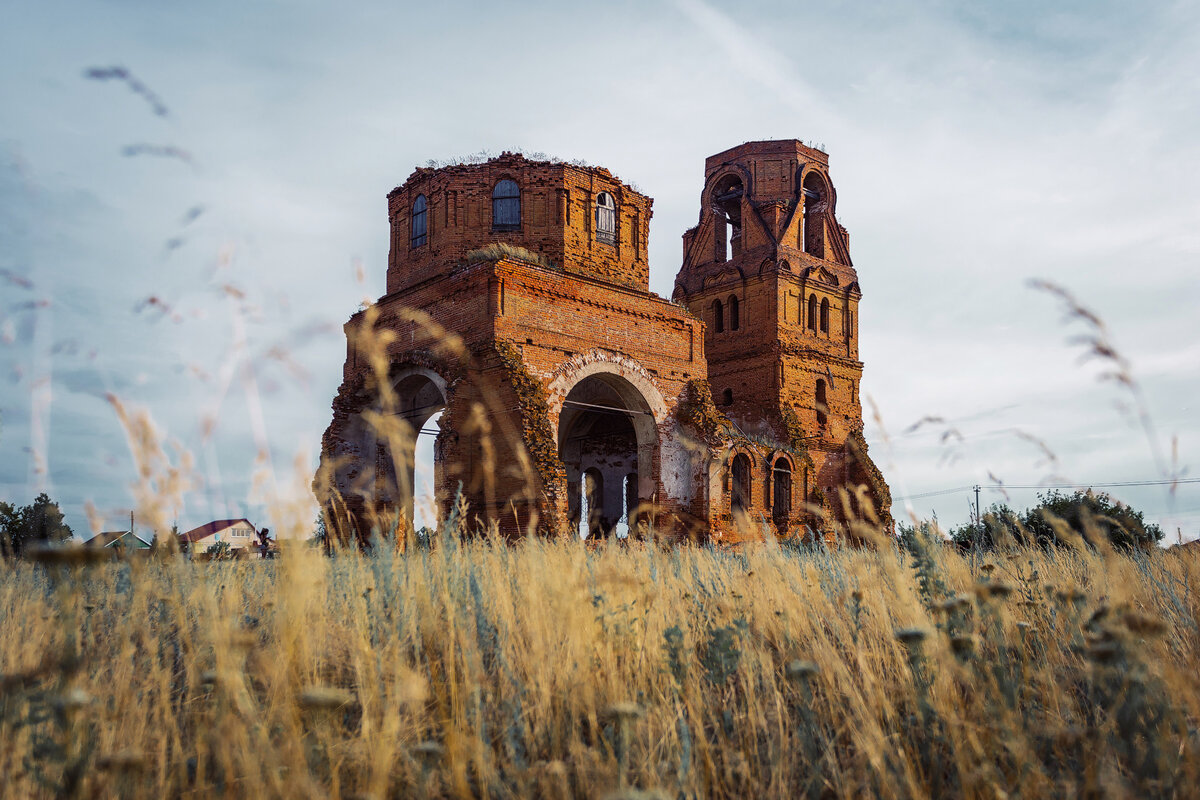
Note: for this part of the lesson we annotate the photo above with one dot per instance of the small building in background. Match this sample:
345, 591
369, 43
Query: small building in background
118, 540
239, 534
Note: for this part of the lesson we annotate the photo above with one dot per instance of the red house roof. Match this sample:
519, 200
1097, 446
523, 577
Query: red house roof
209, 528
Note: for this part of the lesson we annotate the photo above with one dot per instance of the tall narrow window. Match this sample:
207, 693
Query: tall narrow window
734, 320
420, 221
506, 206
727, 397
812, 313
739, 492
825, 315
781, 492
822, 408
606, 218
718, 316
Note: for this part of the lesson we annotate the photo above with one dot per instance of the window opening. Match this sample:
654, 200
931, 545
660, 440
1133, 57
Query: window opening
812, 313
606, 219
825, 315
734, 320
506, 205
822, 409
727, 397
718, 316
419, 221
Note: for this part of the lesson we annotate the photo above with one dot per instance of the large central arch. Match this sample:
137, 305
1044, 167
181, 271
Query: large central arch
607, 434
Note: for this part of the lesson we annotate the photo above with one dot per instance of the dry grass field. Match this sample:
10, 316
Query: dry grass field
547, 669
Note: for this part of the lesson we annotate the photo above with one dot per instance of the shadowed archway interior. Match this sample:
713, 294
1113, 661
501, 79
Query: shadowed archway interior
606, 438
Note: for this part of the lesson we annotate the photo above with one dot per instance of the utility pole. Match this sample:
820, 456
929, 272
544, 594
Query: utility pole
978, 516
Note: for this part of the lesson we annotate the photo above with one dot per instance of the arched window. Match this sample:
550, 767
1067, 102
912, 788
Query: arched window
419, 221
718, 316
506, 206
825, 315
739, 490
727, 397
812, 313
781, 491
822, 408
734, 321
606, 218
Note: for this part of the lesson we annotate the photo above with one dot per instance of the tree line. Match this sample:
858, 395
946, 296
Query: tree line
1057, 519
40, 522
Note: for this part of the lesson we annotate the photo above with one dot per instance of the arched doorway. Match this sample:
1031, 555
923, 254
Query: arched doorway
606, 440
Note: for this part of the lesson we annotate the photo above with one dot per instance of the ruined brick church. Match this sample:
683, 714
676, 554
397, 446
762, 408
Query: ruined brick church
574, 400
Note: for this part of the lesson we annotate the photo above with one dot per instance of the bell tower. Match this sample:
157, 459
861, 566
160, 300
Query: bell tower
768, 270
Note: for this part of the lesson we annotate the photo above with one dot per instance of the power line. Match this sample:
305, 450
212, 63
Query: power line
1081, 485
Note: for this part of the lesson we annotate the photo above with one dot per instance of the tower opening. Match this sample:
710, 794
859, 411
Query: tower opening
815, 203
727, 209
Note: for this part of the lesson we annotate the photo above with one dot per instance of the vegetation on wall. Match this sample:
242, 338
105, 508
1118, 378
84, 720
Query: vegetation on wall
536, 431
795, 435
697, 410
499, 250
856, 443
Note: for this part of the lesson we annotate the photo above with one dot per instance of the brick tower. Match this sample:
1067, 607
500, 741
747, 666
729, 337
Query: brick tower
768, 269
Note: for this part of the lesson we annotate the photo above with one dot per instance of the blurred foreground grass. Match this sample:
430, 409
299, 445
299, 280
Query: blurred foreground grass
545, 669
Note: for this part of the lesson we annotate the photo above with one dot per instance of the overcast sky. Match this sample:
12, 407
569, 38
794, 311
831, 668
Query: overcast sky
191, 239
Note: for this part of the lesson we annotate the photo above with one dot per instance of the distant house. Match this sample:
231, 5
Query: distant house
118, 540
239, 534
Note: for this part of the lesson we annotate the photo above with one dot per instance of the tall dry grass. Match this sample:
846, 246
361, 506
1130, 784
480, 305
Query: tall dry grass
545, 669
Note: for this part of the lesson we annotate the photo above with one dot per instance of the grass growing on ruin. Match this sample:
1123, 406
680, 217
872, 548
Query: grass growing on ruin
545, 669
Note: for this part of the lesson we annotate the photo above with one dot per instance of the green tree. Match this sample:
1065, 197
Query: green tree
39, 523
999, 524
11, 527
1089, 514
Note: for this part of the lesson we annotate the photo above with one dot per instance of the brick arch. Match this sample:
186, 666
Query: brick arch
740, 171
637, 392
802, 175
595, 362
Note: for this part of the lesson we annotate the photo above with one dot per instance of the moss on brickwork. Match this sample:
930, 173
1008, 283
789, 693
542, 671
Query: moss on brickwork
795, 435
499, 250
856, 444
697, 410
536, 430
